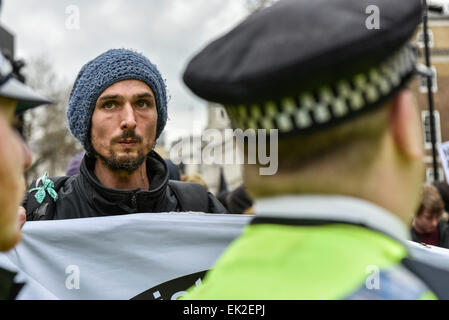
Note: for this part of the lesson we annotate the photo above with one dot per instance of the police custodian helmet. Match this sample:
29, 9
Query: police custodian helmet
12, 88
302, 65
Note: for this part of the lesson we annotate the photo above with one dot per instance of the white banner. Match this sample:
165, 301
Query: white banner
140, 256
155, 255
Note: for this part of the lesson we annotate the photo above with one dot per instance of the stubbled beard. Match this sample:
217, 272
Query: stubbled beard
128, 164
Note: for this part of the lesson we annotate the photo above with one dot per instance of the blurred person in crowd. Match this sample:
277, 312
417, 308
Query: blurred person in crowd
74, 165
15, 158
427, 226
443, 189
237, 201
117, 109
195, 178
350, 151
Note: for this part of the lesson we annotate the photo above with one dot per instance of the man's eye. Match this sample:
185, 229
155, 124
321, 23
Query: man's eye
142, 104
109, 105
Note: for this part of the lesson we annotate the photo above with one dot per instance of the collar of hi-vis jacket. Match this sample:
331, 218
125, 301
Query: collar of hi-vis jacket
325, 209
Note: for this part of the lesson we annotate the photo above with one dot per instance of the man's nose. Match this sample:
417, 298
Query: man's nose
128, 120
435, 222
27, 154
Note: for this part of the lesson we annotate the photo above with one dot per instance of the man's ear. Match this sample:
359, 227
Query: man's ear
405, 125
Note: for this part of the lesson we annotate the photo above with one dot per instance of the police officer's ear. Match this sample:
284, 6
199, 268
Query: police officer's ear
405, 126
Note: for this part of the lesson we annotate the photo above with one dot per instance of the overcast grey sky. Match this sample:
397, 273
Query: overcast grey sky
168, 32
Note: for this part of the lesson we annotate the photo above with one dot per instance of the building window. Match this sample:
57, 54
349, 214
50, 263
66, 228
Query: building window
438, 9
429, 175
425, 117
420, 39
423, 82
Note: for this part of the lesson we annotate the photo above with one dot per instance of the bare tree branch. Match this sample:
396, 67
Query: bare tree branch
45, 127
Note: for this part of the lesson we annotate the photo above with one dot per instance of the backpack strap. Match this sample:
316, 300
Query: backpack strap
191, 196
42, 206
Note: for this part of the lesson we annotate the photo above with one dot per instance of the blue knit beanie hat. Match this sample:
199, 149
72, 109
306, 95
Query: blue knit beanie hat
95, 76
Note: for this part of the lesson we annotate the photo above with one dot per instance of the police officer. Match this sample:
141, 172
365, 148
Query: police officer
331, 76
15, 158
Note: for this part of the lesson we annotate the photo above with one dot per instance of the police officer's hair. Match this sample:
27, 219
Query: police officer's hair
355, 141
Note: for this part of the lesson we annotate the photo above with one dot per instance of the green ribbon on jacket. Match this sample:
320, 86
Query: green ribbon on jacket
47, 186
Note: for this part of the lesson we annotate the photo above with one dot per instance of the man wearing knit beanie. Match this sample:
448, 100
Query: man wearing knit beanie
117, 109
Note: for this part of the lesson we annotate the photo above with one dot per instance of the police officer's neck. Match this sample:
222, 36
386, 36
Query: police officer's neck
388, 181
122, 179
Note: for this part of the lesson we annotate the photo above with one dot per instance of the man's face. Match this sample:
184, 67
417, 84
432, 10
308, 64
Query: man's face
124, 125
427, 222
15, 157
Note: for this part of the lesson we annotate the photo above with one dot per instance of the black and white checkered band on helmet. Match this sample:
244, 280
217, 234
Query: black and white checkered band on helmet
330, 103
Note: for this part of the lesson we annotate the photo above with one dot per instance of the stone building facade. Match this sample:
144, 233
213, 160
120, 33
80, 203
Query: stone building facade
439, 49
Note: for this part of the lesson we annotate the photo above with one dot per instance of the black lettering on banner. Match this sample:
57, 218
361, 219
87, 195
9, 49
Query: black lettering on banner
172, 289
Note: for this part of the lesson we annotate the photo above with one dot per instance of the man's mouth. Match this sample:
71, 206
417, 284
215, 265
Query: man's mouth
128, 142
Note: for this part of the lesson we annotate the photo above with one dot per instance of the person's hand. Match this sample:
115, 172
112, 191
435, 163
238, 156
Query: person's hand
21, 216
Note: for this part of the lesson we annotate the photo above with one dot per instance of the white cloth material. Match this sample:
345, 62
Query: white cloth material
118, 257
435, 256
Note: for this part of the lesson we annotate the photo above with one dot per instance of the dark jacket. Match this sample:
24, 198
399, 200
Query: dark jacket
443, 228
83, 195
